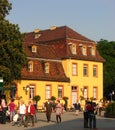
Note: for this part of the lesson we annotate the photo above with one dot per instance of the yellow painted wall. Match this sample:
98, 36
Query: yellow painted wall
80, 81
40, 90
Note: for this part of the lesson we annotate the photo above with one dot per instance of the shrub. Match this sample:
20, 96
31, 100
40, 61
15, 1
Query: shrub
110, 109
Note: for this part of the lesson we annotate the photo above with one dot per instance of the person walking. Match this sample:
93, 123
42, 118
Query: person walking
48, 109
12, 108
30, 111
92, 117
22, 112
35, 115
77, 107
59, 111
100, 107
4, 109
86, 115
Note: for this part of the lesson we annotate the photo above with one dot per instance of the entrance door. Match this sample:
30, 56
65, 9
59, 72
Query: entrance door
74, 94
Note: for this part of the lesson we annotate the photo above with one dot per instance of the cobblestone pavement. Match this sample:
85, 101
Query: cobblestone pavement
69, 122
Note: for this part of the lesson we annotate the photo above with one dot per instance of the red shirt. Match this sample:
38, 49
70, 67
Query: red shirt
12, 106
32, 110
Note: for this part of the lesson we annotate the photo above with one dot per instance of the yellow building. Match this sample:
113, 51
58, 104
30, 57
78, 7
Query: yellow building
61, 62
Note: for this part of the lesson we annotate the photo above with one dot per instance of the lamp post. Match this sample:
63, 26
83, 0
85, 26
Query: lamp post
111, 95
26, 89
1, 82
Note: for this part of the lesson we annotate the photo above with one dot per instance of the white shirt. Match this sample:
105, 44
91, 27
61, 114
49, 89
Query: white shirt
29, 109
22, 109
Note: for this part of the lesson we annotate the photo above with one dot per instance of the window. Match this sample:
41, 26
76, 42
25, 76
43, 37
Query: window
34, 49
73, 48
84, 51
93, 51
85, 93
94, 70
74, 88
31, 91
48, 91
13, 91
95, 92
46, 67
85, 70
74, 69
37, 35
60, 91
30, 66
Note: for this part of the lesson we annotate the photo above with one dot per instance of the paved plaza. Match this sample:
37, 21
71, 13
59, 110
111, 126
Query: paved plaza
69, 122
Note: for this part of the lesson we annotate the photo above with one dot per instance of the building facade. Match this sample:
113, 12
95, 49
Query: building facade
61, 62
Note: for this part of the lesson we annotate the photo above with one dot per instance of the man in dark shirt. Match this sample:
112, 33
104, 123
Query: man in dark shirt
48, 109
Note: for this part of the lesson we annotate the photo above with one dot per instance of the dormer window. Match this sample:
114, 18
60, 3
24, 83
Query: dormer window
92, 51
72, 48
34, 49
37, 35
46, 68
30, 66
84, 50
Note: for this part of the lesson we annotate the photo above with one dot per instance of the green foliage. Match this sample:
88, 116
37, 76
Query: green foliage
53, 98
5, 7
37, 98
12, 55
110, 109
65, 99
107, 51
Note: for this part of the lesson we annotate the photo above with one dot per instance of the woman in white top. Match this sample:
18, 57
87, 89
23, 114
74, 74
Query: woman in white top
22, 112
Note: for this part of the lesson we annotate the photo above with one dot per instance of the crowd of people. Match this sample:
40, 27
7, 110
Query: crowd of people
24, 114
19, 114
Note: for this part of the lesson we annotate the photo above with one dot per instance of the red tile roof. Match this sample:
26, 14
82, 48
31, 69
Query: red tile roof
56, 72
52, 35
53, 45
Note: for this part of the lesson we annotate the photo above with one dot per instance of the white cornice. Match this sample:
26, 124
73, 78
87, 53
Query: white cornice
57, 60
81, 40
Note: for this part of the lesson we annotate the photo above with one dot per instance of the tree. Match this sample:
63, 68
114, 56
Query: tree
107, 51
12, 55
53, 98
36, 99
66, 102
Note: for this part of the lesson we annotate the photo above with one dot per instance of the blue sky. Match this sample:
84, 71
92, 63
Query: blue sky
94, 19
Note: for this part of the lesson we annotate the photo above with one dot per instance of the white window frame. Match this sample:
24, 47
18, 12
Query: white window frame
73, 49
95, 92
48, 91
85, 70
74, 69
60, 91
84, 50
30, 66
31, 91
34, 49
85, 93
47, 68
93, 51
95, 70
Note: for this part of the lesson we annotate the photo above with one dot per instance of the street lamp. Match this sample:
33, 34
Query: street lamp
26, 89
1, 82
111, 95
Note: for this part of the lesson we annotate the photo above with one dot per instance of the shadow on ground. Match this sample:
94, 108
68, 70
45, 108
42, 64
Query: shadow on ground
77, 124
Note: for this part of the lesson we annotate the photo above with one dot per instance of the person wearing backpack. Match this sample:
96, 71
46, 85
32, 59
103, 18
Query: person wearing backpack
92, 117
